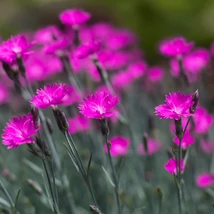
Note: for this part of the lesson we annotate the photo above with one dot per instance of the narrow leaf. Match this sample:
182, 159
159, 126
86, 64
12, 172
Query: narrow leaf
108, 177
89, 164
17, 197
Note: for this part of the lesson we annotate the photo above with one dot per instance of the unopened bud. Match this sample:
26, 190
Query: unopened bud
43, 147
8, 70
61, 120
104, 127
21, 66
195, 99
35, 114
178, 128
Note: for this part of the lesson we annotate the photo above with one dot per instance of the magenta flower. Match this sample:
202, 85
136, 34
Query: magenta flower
20, 130
205, 180
174, 67
207, 146
122, 80
50, 96
153, 146
88, 49
72, 97
196, 61
119, 146
137, 69
203, 120
74, 17
155, 74
187, 140
172, 166
175, 47
13, 48
176, 106
78, 124
98, 105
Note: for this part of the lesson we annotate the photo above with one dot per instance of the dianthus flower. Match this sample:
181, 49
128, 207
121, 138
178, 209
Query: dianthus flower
172, 165
176, 106
119, 146
121, 80
205, 180
153, 147
196, 61
72, 97
88, 49
175, 47
13, 48
20, 130
155, 74
187, 140
74, 17
51, 95
78, 124
203, 120
137, 69
207, 146
98, 105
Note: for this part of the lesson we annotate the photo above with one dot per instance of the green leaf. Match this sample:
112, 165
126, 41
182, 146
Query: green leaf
89, 164
4, 202
17, 197
108, 177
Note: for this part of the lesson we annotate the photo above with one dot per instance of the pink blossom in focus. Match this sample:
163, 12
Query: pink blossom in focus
98, 105
88, 49
20, 130
74, 17
119, 146
196, 61
187, 140
13, 48
175, 47
51, 95
155, 74
176, 106
205, 180
153, 145
172, 165
78, 124
137, 69
203, 120
207, 146
119, 39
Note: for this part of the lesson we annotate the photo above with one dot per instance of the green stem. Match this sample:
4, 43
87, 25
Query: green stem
179, 194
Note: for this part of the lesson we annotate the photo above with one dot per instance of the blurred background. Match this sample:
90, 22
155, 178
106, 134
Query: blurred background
152, 20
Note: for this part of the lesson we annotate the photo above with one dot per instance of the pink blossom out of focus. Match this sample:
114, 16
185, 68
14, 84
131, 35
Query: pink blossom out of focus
155, 74
20, 130
203, 120
50, 95
74, 17
187, 140
98, 105
176, 106
119, 146
78, 124
175, 47
4, 94
13, 48
207, 146
205, 180
172, 165
72, 97
121, 80
153, 145
88, 49
137, 69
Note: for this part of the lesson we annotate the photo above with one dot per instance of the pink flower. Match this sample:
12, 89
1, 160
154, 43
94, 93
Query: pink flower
174, 67
137, 69
72, 97
172, 166
119, 39
203, 120
119, 146
207, 146
155, 74
98, 105
13, 48
175, 47
153, 147
74, 17
205, 180
20, 130
51, 95
88, 49
187, 140
78, 124
196, 61
183, 121
177, 106
121, 80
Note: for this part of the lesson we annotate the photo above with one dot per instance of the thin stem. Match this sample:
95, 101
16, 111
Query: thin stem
114, 174
179, 193
55, 207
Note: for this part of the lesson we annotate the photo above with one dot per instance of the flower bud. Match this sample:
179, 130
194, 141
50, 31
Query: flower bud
61, 120
178, 128
95, 209
35, 115
21, 66
104, 127
195, 99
